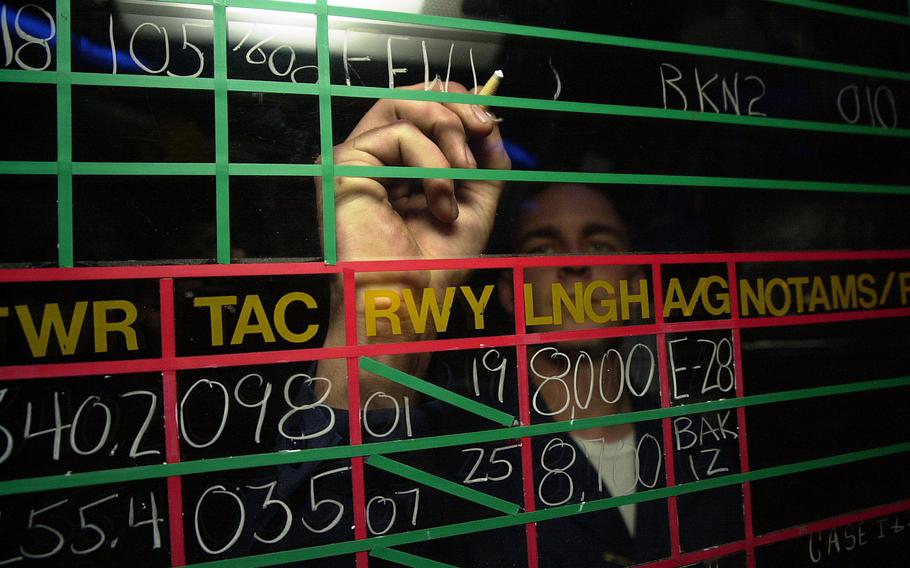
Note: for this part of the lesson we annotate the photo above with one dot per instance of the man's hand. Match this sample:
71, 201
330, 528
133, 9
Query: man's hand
394, 218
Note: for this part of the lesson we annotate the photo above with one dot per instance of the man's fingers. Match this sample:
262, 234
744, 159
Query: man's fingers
403, 144
450, 125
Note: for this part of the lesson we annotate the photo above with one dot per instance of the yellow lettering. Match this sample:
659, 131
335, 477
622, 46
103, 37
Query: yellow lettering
844, 294
429, 304
281, 322
561, 298
530, 318
608, 303
905, 287
388, 311
4, 312
769, 297
818, 295
798, 282
626, 298
714, 309
252, 306
103, 327
870, 296
676, 299
215, 304
52, 319
747, 296
478, 306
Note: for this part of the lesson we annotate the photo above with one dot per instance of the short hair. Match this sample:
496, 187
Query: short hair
515, 199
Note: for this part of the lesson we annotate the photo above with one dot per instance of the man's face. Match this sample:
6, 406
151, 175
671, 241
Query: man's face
566, 219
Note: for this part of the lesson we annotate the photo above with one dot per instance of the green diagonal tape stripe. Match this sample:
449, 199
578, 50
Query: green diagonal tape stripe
615, 178
406, 559
326, 143
549, 514
615, 110
444, 485
52, 482
618, 41
429, 389
222, 177
846, 11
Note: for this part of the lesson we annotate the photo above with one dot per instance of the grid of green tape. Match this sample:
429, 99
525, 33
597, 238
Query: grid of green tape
222, 169
380, 449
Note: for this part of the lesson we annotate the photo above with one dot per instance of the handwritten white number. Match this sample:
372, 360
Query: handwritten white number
224, 413
102, 439
187, 44
501, 368
8, 449
493, 461
314, 504
92, 527
267, 392
32, 525
154, 520
556, 443
281, 504
134, 448
303, 407
57, 429
219, 490
554, 354
394, 511
167, 48
32, 40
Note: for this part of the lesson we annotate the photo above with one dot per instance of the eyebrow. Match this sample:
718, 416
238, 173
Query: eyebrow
586, 231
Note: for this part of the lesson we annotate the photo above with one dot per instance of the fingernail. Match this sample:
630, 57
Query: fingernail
480, 114
454, 207
469, 157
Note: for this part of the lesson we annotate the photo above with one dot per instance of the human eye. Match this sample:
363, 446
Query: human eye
540, 246
602, 246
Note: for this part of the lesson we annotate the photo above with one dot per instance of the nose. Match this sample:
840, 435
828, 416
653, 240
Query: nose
576, 271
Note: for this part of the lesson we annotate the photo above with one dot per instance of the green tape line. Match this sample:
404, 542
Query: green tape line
615, 110
429, 389
285, 5
444, 485
274, 169
19, 76
846, 11
30, 168
549, 514
247, 86
194, 2
405, 559
614, 178
222, 177
30, 485
65, 255
325, 133
617, 41
143, 169
143, 81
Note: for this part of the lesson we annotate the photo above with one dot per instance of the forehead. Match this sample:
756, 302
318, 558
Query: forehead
567, 208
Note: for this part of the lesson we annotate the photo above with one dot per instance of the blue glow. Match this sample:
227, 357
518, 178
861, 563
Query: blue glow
521, 157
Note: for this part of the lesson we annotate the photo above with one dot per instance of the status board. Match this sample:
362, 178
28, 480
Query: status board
279, 286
